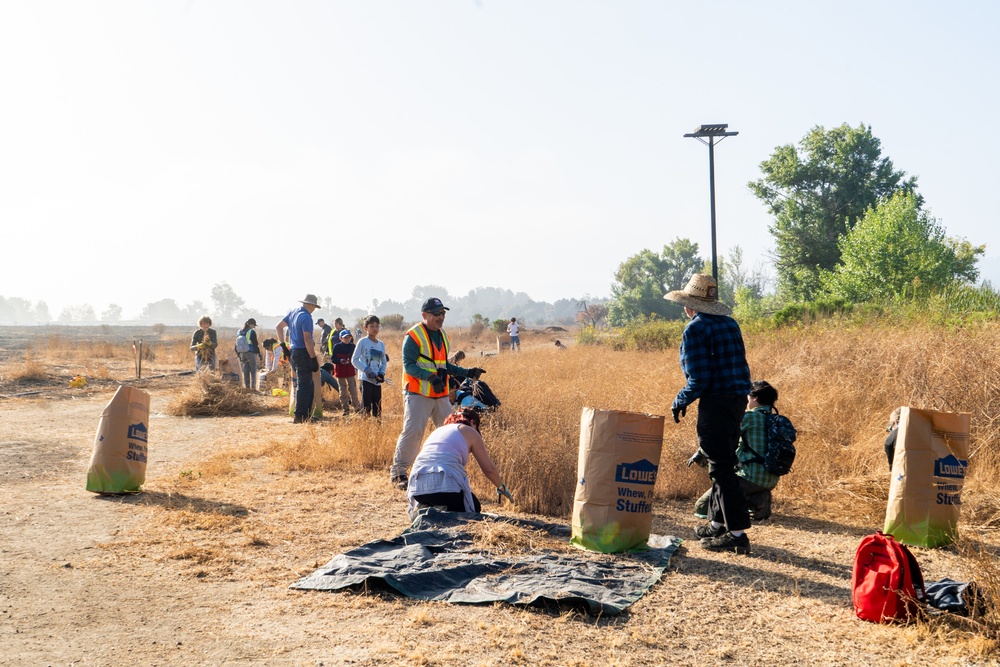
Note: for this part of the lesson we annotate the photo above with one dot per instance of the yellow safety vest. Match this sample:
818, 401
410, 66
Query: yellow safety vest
431, 358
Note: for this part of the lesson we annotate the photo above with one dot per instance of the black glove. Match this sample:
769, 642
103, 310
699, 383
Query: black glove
474, 373
698, 458
380, 377
682, 411
284, 348
437, 384
315, 364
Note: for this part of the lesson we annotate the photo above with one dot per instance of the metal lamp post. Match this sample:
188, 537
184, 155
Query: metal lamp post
711, 132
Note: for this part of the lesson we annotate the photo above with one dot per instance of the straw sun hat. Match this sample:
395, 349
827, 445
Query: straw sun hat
701, 294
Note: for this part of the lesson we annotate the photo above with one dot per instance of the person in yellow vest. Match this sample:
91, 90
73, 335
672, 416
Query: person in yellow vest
425, 385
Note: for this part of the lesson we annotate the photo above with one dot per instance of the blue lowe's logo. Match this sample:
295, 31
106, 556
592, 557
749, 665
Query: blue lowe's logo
137, 432
640, 472
950, 466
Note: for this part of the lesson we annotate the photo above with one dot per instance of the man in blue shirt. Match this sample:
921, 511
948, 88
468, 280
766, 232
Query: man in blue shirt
302, 356
714, 362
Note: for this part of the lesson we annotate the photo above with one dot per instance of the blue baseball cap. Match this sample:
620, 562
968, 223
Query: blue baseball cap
432, 304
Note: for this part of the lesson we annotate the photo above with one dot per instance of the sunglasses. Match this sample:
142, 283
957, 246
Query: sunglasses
437, 313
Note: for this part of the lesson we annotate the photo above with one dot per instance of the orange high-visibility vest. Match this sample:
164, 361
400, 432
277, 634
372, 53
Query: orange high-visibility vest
431, 359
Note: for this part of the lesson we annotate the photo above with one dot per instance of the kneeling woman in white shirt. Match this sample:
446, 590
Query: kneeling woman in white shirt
438, 477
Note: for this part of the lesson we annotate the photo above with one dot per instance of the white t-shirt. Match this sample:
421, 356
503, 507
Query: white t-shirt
512, 328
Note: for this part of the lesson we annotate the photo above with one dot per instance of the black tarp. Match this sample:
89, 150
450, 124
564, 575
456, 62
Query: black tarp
435, 559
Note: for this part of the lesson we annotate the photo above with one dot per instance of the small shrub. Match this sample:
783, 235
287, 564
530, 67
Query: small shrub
478, 326
587, 336
500, 326
393, 322
652, 336
159, 328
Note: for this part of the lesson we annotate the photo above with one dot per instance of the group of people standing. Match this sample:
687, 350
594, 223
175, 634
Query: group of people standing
730, 424
347, 359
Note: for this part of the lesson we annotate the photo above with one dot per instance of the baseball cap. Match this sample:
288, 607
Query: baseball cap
432, 304
344, 333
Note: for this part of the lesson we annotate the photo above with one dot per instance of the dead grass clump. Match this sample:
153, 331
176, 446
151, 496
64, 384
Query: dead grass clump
979, 631
498, 538
211, 396
866, 495
31, 371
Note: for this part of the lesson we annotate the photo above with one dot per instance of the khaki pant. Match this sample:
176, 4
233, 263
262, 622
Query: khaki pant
417, 410
349, 394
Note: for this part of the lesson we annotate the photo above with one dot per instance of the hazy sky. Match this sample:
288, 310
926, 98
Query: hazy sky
150, 150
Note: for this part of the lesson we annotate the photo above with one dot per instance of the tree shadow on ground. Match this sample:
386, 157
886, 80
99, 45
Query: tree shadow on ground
742, 572
671, 524
177, 501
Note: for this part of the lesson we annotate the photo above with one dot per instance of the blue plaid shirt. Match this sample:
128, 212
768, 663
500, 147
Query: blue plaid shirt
713, 359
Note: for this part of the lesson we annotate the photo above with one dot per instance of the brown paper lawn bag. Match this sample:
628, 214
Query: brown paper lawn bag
118, 464
317, 395
928, 472
616, 472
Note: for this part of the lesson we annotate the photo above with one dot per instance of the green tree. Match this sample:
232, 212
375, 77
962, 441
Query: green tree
226, 301
897, 248
643, 279
817, 193
735, 278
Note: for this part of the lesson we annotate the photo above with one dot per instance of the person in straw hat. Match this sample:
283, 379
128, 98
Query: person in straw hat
299, 325
715, 367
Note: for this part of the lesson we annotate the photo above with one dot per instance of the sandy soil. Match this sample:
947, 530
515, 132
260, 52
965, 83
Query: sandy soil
196, 572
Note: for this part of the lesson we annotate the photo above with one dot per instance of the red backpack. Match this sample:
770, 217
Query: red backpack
886, 585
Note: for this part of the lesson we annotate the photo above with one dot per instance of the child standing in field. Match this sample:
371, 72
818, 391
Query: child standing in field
203, 344
344, 371
515, 339
370, 360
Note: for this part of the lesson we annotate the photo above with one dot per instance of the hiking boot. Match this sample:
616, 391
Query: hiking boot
705, 531
728, 542
400, 482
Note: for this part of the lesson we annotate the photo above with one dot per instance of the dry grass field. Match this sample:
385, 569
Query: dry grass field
195, 570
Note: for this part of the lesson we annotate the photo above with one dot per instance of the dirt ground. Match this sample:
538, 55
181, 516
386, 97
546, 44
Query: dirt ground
197, 572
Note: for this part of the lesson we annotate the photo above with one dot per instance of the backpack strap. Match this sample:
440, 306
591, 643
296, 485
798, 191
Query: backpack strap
919, 590
757, 457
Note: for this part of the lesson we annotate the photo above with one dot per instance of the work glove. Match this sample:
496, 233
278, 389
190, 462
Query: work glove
314, 365
474, 373
679, 412
504, 492
380, 377
437, 384
288, 353
699, 459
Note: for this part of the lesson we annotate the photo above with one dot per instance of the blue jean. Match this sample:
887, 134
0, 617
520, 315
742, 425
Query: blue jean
302, 365
515, 341
198, 362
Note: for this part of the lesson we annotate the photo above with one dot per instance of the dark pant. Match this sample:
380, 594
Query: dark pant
719, 420
371, 398
452, 502
302, 365
758, 500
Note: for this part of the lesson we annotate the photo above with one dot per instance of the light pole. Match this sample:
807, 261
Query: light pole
711, 132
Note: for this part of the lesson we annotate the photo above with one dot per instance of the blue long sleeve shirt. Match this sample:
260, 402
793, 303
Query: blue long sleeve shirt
713, 359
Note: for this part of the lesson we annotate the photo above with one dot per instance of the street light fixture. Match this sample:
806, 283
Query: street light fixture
711, 132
